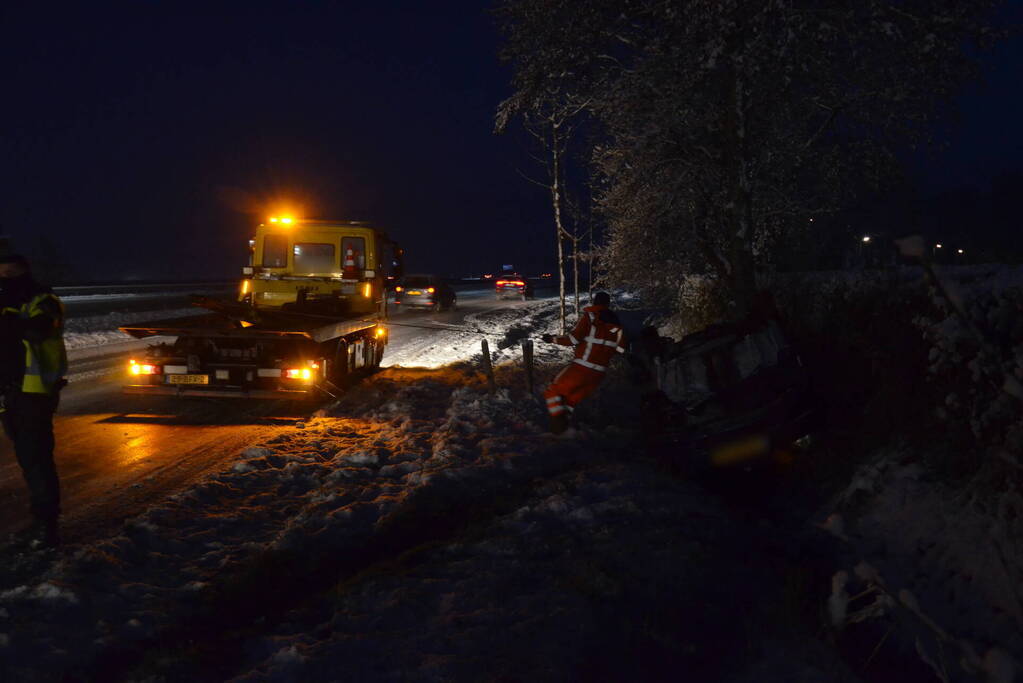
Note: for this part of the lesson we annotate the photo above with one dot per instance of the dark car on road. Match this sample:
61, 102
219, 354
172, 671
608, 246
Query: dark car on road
425, 291
513, 286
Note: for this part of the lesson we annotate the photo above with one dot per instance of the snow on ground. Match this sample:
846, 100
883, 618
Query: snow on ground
503, 328
938, 543
421, 528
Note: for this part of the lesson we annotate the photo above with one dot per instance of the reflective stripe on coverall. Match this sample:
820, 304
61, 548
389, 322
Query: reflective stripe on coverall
596, 342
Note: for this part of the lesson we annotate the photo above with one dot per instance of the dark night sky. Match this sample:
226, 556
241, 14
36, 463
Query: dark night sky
146, 138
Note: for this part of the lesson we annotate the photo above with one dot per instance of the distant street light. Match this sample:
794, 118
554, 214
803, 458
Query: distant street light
937, 246
866, 238
960, 251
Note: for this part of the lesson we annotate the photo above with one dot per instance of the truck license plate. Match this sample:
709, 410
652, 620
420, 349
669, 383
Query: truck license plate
188, 379
414, 292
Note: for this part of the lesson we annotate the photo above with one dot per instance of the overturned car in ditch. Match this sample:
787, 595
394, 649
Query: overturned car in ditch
730, 395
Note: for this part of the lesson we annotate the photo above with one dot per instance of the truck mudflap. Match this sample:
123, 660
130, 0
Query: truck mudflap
181, 390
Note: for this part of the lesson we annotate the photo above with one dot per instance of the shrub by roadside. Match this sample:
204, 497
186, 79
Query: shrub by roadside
924, 444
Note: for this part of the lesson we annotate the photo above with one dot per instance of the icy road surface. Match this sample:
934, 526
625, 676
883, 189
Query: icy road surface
117, 453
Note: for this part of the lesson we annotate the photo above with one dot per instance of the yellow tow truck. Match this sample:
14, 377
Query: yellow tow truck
309, 316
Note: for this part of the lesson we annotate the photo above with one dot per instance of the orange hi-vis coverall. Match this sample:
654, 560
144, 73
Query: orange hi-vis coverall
597, 337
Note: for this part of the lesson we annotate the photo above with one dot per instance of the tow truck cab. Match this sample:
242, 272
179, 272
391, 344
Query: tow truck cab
302, 260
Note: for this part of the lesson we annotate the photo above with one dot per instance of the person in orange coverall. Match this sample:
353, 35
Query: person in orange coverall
597, 337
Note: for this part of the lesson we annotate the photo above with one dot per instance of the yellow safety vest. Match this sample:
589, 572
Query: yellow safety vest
46, 360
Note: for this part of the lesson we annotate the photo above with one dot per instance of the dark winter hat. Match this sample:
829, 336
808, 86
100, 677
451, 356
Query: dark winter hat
601, 299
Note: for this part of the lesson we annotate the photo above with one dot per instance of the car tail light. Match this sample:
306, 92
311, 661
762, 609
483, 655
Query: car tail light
298, 373
143, 368
430, 290
518, 283
500, 282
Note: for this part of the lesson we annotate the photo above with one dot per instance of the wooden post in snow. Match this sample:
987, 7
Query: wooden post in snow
527, 361
488, 367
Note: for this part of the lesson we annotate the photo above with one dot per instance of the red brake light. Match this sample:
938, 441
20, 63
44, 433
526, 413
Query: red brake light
519, 283
500, 282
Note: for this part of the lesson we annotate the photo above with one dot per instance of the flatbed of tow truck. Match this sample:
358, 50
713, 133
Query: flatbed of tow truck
237, 351
270, 326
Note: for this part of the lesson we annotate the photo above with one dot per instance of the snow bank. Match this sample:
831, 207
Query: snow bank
322, 488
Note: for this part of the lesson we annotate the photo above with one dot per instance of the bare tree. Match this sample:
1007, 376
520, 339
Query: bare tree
550, 103
726, 125
552, 134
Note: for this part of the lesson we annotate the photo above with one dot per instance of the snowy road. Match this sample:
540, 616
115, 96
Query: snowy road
116, 453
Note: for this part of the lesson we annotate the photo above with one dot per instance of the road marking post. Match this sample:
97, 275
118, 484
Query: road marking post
527, 361
488, 367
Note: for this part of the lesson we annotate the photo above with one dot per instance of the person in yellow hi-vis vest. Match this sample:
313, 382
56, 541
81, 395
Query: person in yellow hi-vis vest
33, 363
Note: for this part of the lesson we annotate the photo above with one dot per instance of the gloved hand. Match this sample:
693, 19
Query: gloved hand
549, 338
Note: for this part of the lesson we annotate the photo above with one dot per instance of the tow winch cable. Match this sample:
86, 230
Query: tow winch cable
447, 327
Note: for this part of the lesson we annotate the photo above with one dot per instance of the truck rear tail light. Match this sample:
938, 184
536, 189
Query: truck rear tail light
142, 368
298, 373
430, 290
